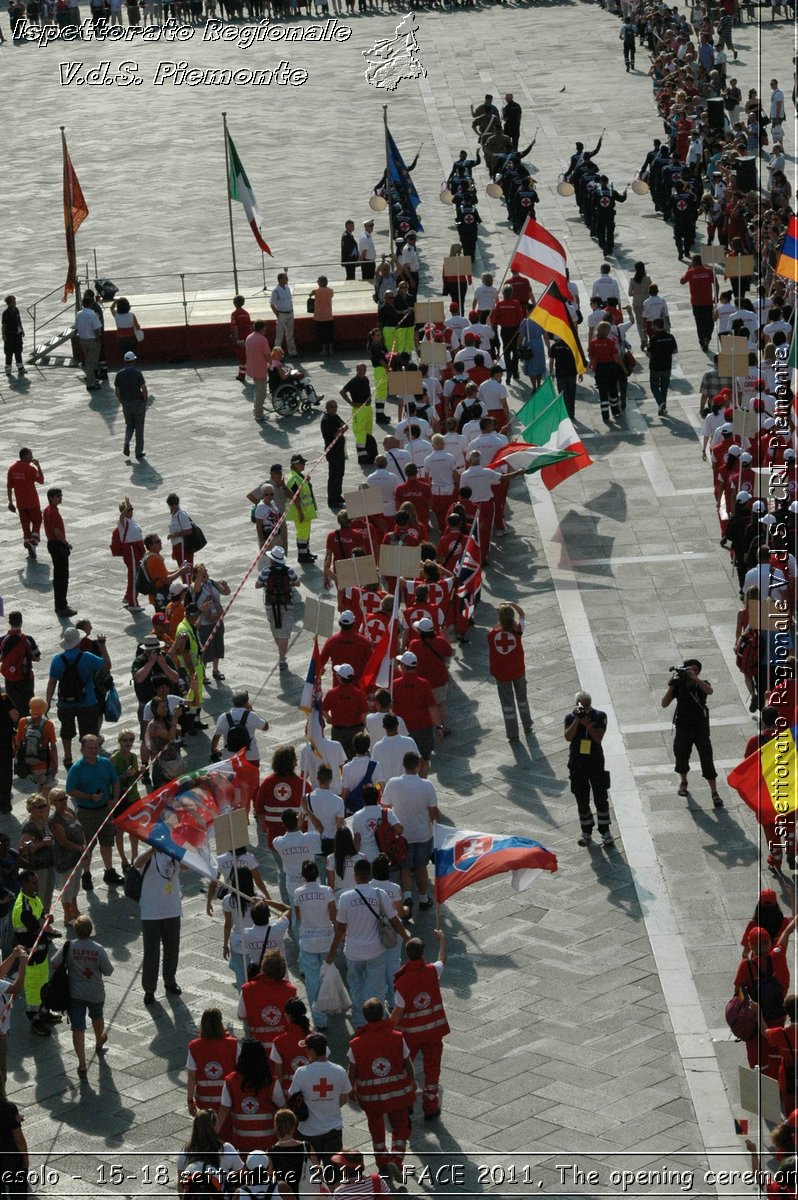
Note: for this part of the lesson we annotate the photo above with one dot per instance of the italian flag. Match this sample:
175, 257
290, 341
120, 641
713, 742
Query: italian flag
549, 431
240, 189
523, 456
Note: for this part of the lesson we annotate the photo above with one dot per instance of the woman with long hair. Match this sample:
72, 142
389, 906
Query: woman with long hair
250, 1097
205, 1152
341, 863
288, 1053
207, 594
289, 1153
211, 1056
235, 906
639, 283
129, 547
127, 324
162, 731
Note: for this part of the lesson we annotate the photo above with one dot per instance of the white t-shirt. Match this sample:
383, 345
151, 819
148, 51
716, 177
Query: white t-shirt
229, 905
419, 450
160, 889
6, 1004
365, 822
485, 334
332, 753
457, 324
362, 942
87, 323
471, 430
594, 318
375, 730
385, 481
397, 462
253, 941
485, 296
481, 480
605, 287
488, 444
295, 848
327, 806
225, 863
491, 394
355, 771
312, 901
172, 703
180, 523
456, 444
323, 1085
393, 892
390, 751
712, 421
439, 467
343, 884
403, 426
411, 798
229, 1159
778, 327
724, 317
252, 724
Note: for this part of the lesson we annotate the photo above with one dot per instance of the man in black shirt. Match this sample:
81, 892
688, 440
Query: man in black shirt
691, 725
349, 250
336, 458
563, 366
131, 392
661, 349
511, 119
584, 731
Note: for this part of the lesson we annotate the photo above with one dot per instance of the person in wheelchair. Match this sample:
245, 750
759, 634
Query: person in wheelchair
279, 374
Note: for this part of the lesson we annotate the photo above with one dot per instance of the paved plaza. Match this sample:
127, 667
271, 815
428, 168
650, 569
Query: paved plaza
586, 1013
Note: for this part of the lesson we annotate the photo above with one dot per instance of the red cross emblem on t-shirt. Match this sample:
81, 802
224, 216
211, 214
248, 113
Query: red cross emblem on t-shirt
505, 643
282, 791
323, 1088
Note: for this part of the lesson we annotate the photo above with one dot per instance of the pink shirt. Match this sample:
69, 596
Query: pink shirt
258, 353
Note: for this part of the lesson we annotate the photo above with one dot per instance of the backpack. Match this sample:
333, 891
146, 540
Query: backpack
469, 413
372, 449
200, 1179
747, 651
17, 659
71, 685
354, 800
390, 842
767, 992
31, 750
134, 878
240, 724
277, 592
740, 1018
117, 549
56, 994
143, 585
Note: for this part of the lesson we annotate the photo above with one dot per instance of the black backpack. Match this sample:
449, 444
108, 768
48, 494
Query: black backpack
71, 685
144, 585
277, 592
240, 724
470, 413
767, 992
56, 994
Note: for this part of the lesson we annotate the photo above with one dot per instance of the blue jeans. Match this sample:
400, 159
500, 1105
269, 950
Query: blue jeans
393, 961
236, 964
365, 979
310, 966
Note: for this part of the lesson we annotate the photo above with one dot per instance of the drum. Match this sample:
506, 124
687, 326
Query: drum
494, 190
564, 188
378, 203
640, 187
446, 196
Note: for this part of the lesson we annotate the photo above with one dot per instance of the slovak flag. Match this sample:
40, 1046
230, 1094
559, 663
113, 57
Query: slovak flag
468, 571
463, 857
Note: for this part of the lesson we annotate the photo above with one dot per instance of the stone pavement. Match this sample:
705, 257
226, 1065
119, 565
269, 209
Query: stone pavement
587, 1012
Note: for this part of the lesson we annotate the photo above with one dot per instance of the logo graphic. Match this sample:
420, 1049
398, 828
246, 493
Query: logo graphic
422, 1000
282, 791
380, 1067
213, 1070
270, 1015
249, 1105
299, 1061
469, 849
390, 60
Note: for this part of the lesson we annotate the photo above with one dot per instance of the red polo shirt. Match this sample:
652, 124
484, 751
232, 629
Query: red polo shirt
345, 704
701, 281
506, 313
53, 522
412, 701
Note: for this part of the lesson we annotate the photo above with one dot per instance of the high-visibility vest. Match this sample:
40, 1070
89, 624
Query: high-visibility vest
215, 1058
423, 1015
382, 1081
252, 1114
264, 1002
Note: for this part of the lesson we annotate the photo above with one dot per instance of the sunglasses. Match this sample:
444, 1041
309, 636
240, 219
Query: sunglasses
41, 806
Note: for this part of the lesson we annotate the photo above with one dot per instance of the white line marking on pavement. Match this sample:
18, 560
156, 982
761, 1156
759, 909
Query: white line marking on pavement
621, 560
654, 466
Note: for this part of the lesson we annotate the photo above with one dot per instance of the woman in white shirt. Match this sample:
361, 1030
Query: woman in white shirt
127, 326
341, 863
130, 540
205, 1151
236, 915
380, 872
314, 906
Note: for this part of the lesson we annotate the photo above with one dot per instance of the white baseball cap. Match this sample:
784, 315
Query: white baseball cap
734, 450
130, 356
344, 670
347, 617
408, 659
758, 506
177, 586
424, 625
743, 497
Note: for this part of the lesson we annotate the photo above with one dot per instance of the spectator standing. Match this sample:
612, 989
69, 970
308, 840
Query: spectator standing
69, 844
93, 784
73, 674
21, 480
691, 725
257, 356
323, 315
281, 303
13, 335
18, 653
35, 740
87, 964
131, 543
366, 252
89, 329
331, 425
349, 250
35, 850
240, 329
59, 550
160, 909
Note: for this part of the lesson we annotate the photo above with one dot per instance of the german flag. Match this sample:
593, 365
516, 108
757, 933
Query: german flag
787, 264
75, 212
551, 313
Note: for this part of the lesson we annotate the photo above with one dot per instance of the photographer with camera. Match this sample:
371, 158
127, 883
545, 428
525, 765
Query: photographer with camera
584, 731
691, 724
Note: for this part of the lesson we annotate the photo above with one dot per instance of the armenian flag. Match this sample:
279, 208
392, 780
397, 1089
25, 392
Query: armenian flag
787, 264
551, 313
768, 779
463, 857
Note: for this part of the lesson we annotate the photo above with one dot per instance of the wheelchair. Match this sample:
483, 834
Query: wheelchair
295, 395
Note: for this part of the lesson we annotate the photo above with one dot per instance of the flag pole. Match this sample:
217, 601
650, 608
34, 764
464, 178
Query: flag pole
230, 201
435, 877
388, 181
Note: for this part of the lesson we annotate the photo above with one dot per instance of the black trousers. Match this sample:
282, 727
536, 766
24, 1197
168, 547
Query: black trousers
135, 415
687, 740
154, 934
368, 269
20, 695
582, 783
336, 466
59, 553
703, 322
567, 385
509, 335
350, 269
13, 349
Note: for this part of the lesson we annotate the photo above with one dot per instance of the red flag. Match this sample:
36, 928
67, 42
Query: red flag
539, 256
468, 571
377, 671
75, 212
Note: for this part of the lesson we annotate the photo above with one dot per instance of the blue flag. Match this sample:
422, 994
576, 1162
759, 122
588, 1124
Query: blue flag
402, 185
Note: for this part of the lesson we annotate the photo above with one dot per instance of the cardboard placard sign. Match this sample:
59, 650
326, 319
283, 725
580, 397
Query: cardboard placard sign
761, 483
365, 502
739, 265
731, 343
319, 617
434, 354
769, 614
400, 561
713, 255
404, 383
744, 422
760, 1094
458, 264
429, 312
356, 572
230, 830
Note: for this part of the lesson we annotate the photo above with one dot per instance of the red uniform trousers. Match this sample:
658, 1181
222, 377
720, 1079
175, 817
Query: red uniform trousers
31, 521
399, 1124
500, 492
180, 556
132, 553
431, 1055
440, 506
486, 510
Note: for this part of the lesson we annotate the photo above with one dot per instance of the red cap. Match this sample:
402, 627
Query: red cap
728, 413
757, 935
759, 405
768, 896
454, 306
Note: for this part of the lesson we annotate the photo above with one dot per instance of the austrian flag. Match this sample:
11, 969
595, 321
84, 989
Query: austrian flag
240, 189
539, 256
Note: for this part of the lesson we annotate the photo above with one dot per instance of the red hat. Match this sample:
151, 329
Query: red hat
760, 384
471, 339
160, 620
756, 935
473, 315
759, 404
768, 896
728, 413
454, 306
439, 335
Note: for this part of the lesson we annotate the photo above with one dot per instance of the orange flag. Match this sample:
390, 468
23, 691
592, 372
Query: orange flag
75, 212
